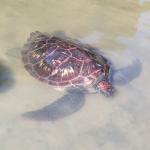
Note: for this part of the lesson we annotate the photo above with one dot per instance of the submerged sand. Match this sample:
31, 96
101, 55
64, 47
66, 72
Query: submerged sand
121, 29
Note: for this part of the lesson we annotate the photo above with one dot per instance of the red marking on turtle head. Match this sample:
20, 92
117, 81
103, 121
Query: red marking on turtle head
105, 88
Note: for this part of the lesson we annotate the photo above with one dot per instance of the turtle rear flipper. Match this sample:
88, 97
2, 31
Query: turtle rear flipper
64, 106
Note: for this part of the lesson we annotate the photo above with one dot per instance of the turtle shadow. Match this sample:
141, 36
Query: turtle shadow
6, 78
127, 74
70, 103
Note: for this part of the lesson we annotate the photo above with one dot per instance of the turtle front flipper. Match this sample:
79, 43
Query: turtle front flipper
126, 75
63, 107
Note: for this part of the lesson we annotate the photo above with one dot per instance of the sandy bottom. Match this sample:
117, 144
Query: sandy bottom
36, 116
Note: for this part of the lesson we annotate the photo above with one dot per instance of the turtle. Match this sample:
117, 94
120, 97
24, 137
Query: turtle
66, 64
69, 64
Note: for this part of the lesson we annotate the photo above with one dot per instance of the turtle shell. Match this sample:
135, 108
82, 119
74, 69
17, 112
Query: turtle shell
61, 62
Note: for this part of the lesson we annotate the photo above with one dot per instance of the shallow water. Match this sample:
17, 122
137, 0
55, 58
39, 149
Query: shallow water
121, 29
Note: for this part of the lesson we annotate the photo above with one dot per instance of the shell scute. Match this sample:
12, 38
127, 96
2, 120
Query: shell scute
42, 69
79, 54
57, 57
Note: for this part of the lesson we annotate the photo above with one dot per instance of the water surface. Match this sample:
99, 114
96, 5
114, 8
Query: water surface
121, 29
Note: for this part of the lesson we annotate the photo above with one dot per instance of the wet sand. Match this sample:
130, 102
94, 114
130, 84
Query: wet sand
121, 30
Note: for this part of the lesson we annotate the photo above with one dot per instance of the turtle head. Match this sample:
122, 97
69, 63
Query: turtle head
105, 88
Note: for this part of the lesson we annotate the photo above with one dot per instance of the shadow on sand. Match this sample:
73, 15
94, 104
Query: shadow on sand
127, 74
6, 78
63, 107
